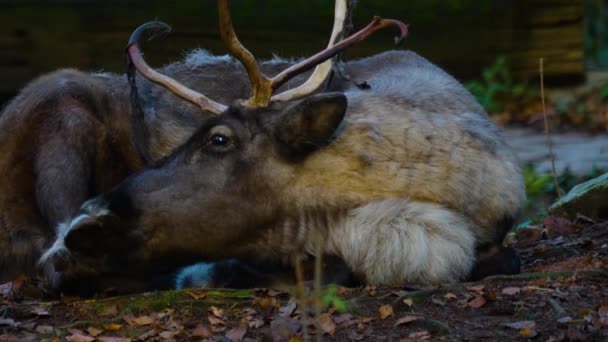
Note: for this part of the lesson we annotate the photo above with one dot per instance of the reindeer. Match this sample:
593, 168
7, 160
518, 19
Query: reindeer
406, 181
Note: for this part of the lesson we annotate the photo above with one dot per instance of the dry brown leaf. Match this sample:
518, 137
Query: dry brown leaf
217, 312
94, 331
201, 331
75, 331
371, 290
385, 311
267, 302
215, 321
476, 302
79, 338
142, 320
296, 339
196, 295
112, 326
237, 334
476, 288
327, 324
510, 291
450, 295
406, 319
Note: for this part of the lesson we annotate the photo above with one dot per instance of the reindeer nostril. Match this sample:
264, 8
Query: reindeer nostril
84, 234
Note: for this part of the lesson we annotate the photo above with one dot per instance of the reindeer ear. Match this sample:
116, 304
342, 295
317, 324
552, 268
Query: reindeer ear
310, 124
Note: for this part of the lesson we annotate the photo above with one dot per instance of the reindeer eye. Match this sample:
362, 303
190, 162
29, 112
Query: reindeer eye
218, 140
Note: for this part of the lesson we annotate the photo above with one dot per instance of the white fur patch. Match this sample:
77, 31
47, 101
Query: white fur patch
199, 57
197, 275
396, 241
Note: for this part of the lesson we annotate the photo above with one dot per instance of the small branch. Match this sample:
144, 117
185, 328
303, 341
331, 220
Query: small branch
558, 190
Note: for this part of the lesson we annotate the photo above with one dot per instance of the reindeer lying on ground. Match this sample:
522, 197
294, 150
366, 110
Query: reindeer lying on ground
407, 181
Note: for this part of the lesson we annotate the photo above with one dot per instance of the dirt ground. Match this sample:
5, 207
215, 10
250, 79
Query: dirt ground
561, 295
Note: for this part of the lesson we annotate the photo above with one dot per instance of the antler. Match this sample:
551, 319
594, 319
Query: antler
262, 87
135, 57
323, 70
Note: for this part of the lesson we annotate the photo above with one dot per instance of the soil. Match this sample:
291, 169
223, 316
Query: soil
560, 295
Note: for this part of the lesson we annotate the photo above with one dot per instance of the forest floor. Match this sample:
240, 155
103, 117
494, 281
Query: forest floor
561, 294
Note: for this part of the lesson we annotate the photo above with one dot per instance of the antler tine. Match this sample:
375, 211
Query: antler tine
261, 88
135, 58
376, 24
323, 70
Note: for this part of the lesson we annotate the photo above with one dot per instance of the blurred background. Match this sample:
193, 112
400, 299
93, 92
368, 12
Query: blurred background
494, 47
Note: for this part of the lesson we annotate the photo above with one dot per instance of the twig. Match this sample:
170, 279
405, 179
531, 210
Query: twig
558, 190
301, 295
318, 281
557, 309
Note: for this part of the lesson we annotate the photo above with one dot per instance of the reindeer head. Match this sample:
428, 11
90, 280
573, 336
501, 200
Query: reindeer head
217, 192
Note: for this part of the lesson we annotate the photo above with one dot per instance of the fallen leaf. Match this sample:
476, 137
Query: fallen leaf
476, 302
371, 290
288, 309
343, 318
283, 328
519, 325
406, 319
196, 295
112, 326
112, 339
476, 288
327, 324
40, 311
237, 334
408, 301
296, 339
215, 321
603, 315
79, 338
450, 295
168, 335
420, 336
8, 321
201, 331
44, 329
274, 293
217, 312
109, 311
385, 311
559, 225
528, 332
143, 320
75, 331
256, 323
147, 335
510, 291
94, 331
